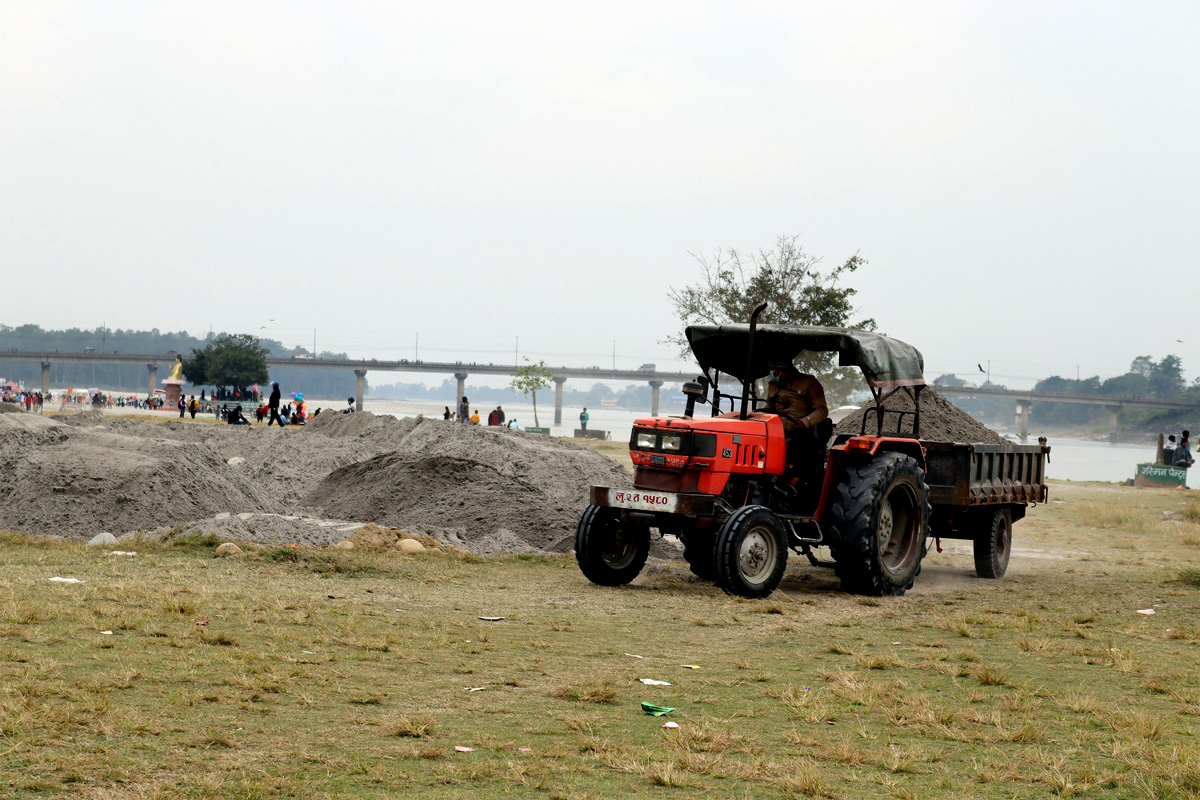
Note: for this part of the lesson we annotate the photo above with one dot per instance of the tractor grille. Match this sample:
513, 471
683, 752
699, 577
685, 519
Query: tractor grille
665, 480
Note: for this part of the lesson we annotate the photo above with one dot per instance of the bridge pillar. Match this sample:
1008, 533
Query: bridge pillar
558, 384
360, 385
654, 387
1113, 421
153, 370
461, 377
45, 378
1023, 418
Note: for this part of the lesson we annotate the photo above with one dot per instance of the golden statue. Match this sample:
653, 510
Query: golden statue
177, 370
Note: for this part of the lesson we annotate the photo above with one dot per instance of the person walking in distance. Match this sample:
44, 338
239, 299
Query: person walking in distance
583, 419
464, 411
273, 405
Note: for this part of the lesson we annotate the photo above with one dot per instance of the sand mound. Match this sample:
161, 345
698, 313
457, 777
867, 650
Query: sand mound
73, 481
941, 420
488, 490
10, 408
479, 489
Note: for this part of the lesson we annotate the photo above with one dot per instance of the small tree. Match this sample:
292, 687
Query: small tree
528, 379
235, 361
732, 283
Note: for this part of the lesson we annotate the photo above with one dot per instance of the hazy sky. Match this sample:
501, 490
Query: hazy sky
1022, 177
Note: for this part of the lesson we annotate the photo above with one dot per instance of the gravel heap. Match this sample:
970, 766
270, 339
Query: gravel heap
941, 420
487, 490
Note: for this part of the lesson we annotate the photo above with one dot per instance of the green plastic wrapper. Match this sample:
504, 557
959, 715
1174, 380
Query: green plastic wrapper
656, 711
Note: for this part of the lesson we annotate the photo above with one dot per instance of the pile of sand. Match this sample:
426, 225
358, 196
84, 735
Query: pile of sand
491, 489
487, 490
941, 420
75, 481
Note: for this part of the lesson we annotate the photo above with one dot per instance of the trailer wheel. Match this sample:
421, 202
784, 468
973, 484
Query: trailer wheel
610, 552
698, 553
880, 524
993, 544
751, 552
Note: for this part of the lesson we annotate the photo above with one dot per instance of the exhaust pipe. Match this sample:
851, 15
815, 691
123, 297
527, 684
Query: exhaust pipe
758, 309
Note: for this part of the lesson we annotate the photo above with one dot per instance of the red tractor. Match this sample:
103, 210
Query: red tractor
722, 483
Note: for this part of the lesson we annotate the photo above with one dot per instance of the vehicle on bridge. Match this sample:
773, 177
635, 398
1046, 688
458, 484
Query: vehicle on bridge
722, 484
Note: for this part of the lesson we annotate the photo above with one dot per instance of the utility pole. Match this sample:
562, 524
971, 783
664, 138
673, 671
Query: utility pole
1077, 374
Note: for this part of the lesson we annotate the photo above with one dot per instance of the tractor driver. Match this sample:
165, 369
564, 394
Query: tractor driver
799, 400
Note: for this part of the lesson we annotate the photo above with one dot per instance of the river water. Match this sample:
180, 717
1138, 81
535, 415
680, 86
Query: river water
1070, 459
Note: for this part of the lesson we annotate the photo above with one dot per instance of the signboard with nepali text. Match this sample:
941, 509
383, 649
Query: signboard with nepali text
1160, 476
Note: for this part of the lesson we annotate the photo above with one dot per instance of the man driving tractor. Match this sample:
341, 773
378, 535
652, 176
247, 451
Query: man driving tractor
799, 400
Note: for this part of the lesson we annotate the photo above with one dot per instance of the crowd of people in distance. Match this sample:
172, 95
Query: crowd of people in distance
32, 401
465, 416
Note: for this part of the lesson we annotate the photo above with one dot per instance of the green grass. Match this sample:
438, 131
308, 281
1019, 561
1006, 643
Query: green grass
330, 674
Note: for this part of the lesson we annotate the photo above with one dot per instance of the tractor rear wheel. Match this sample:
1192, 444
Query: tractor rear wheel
751, 552
993, 543
610, 552
880, 524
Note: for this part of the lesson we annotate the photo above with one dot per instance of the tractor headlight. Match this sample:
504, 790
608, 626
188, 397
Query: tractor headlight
672, 443
645, 441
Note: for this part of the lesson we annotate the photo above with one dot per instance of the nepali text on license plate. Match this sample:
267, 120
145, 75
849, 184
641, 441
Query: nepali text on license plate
641, 500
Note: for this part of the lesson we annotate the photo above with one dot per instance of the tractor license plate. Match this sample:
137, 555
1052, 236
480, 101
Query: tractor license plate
643, 500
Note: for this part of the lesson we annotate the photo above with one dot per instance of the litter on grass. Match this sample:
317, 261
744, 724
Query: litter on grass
670, 725
1149, 612
201, 623
491, 619
122, 552
474, 688
631, 655
656, 711
690, 666
106, 633
652, 682
459, 748
57, 579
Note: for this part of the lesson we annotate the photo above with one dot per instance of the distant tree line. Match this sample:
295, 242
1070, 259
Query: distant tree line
1146, 378
131, 378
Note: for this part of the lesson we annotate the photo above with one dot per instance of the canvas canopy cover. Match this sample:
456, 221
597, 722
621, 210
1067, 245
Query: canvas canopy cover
885, 362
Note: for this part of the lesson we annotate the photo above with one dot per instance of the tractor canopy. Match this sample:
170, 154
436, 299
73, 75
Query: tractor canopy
885, 362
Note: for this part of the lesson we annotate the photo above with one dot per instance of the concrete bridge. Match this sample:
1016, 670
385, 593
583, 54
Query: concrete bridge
1027, 398
459, 369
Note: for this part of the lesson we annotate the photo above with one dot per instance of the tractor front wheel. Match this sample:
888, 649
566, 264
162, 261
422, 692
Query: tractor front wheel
880, 524
610, 552
751, 552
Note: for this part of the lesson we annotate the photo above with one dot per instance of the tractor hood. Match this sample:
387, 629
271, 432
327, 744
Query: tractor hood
884, 361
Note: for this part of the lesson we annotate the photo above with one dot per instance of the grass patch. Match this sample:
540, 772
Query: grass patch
1190, 577
329, 674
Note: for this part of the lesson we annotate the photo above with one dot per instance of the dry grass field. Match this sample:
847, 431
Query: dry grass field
324, 673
